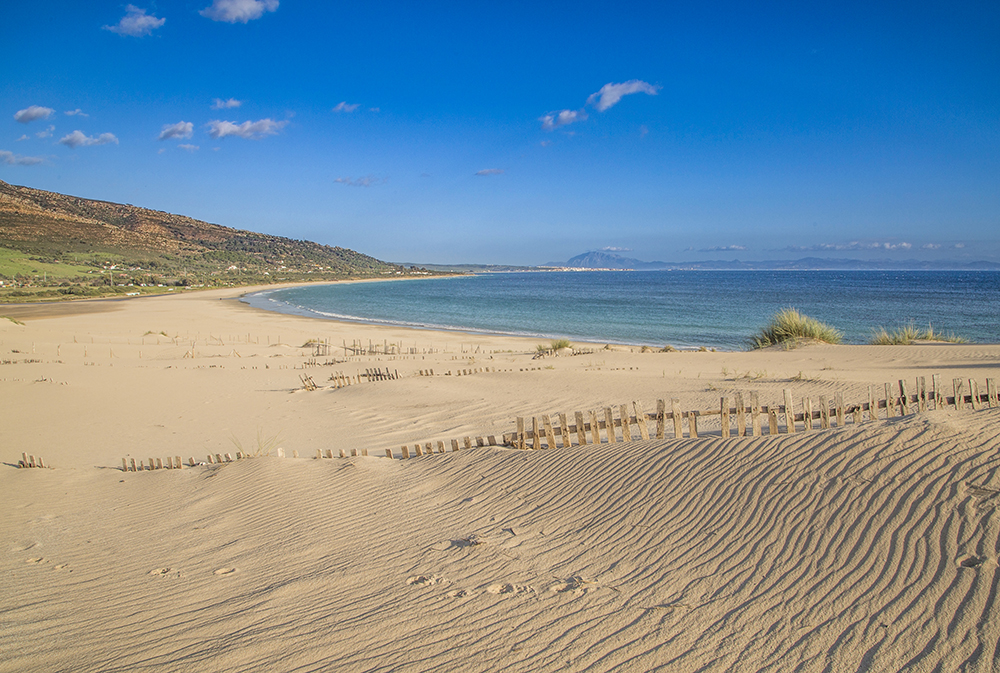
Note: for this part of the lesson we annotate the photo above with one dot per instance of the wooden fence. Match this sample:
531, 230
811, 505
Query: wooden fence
748, 415
740, 415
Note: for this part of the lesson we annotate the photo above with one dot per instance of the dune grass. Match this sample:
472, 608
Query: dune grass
908, 333
788, 324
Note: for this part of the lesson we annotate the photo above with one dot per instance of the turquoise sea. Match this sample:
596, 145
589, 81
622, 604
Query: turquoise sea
685, 309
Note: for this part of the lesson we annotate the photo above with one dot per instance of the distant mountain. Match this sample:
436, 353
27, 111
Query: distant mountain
56, 229
607, 260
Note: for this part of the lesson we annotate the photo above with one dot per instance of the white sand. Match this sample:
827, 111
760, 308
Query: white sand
870, 547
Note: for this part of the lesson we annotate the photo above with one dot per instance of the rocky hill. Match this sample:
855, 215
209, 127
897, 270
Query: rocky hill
67, 237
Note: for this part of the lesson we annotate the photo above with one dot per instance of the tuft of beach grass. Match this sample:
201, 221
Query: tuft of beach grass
788, 324
905, 335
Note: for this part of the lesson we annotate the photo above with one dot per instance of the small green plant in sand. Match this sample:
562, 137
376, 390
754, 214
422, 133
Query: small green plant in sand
788, 325
152, 333
13, 320
908, 333
554, 345
264, 444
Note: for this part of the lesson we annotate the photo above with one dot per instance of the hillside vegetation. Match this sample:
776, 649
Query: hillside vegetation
58, 246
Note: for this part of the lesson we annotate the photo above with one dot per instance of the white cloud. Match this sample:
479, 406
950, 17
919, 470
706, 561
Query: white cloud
238, 11
179, 130
219, 104
958, 246
136, 23
611, 93
554, 120
31, 113
344, 106
615, 248
724, 248
76, 112
78, 139
188, 148
931, 246
852, 246
366, 181
24, 136
11, 159
250, 130
490, 171
47, 133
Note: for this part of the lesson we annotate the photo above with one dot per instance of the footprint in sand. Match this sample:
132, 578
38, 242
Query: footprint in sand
60, 566
971, 562
225, 571
424, 580
458, 593
573, 584
38, 559
159, 571
509, 589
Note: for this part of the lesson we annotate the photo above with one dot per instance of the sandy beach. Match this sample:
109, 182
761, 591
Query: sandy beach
862, 547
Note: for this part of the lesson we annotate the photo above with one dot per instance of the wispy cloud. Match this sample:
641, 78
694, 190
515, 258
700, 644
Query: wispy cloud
344, 106
611, 93
180, 130
889, 246
366, 181
188, 148
11, 159
238, 11
615, 248
219, 104
32, 112
248, 129
24, 136
79, 139
931, 246
490, 171
724, 248
136, 23
47, 133
554, 120
76, 113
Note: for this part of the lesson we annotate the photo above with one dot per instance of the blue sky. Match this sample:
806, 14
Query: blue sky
523, 132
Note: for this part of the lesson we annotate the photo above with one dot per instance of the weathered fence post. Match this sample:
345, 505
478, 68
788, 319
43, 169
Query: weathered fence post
626, 423
550, 436
959, 386
519, 440
609, 423
581, 431
640, 419
595, 428
905, 398
693, 424
824, 412
807, 413
724, 415
661, 419
789, 412
536, 438
755, 414
564, 431
741, 416
678, 416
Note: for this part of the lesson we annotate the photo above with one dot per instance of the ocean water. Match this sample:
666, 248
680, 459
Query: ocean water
684, 309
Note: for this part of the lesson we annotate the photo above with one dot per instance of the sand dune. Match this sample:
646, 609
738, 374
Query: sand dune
870, 547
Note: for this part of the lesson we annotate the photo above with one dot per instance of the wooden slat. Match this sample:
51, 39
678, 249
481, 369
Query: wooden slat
974, 392
581, 433
519, 440
904, 399
724, 412
609, 423
890, 402
640, 419
429, 449
454, 445
388, 453
789, 412
678, 417
661, 418
755, 414
417, 450
858, 410
824, 412
807, 413
492, 440
741, 416
564, 430
959, 387
872, 404
468, 442
124, 463
838, 401
440, 446
550, 435
991, 393
626, 429
404, 451
692, 424
772, 421
936, 382
536, 436
921, 394
595, 428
